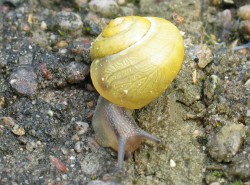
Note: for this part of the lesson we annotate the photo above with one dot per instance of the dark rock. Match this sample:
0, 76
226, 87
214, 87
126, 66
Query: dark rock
92, 24
68, 21
24, 80
76, 72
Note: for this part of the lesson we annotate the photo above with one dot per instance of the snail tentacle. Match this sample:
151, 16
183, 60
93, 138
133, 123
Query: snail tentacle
149, 136
121, 152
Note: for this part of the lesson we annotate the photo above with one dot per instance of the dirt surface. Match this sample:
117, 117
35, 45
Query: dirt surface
47, 99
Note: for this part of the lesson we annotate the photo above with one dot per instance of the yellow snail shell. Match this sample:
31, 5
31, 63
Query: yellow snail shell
135, 59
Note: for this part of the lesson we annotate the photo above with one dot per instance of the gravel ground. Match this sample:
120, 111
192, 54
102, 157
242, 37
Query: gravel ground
47, 99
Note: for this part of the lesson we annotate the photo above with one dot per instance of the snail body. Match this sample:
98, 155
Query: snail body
115, 127
134, 61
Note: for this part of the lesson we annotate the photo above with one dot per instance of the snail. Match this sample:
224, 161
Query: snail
134, 60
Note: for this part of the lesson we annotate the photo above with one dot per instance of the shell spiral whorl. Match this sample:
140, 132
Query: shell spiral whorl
135, 59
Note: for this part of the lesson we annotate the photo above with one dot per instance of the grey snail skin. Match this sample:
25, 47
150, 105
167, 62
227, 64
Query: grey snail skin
116, 128
134, 60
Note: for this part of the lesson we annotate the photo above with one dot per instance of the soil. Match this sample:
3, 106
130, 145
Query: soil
47, 99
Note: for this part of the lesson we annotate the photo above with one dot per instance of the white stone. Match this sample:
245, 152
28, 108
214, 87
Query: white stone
107, 8
247, 84
172, 163
248, 113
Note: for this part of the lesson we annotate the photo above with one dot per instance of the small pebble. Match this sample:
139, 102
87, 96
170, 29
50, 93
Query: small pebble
93, 24
19, 131
72, 158
26, 28
172, 163
178, 18
121, 2
223, 145
62, 44
7, 121
69, 21
247, 84
30, 146
90, 104
31, 19
76, 72
64, 176
248, 113
43, 25
75, 137
46, 73
197, 133
194, 76
62, 51
50, 113
65, 151
2, 102
204, 54
107, 8
24, 80
58, 164
81, 127
78, 146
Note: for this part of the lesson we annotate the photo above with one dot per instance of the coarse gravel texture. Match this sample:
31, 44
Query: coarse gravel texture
47, 99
